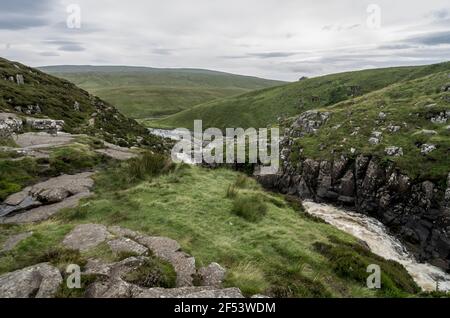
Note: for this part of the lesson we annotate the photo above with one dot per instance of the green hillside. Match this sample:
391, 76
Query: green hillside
44, 96
141, 92
264, 107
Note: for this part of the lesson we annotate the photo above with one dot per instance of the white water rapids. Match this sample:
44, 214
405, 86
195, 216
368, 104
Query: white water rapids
380, 242
369, 230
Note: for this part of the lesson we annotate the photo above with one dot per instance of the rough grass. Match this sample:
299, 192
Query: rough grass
275, 256
250, 207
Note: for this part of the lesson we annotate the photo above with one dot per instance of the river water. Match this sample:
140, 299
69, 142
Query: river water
380, 242
372, 232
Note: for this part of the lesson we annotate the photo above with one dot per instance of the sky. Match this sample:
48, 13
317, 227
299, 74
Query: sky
277, 39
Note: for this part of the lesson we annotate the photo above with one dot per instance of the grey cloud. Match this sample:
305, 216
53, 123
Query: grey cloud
399, 46
20, 22
24, 14
435, 38
440, 14
261, 55
268, 55
71, 48
49, 54
162, 51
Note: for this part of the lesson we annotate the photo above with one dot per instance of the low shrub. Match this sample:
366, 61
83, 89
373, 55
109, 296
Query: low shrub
250, 207
153, 273
232, 192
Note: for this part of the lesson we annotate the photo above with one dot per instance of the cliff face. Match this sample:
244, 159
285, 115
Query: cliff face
418, 212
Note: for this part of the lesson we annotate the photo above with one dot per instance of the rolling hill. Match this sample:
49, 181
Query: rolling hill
141, 92
26, 91
264, 107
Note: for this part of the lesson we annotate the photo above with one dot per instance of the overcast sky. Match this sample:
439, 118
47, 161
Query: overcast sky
279, 39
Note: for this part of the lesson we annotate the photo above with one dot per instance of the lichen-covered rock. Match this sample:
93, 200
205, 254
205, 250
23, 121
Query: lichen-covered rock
212, 275
45, 124
125, 245
425, 149
38, 281
394, 151
9, 124
86, 236
309, 122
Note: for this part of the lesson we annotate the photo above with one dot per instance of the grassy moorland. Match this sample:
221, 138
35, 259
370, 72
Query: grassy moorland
264, 107
141, 92
272, 248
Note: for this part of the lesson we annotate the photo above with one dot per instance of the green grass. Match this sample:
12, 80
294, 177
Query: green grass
147, 92
275, 256
263, 108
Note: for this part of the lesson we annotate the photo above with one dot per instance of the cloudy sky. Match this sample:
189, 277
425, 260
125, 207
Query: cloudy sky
279, 39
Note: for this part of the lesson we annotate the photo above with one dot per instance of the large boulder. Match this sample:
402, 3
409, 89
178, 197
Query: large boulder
212, 275
9, 124
38, 281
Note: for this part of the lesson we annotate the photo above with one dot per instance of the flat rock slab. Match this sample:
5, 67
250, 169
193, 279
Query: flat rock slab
72, 184
14, 240
40, 140
126, 245
86, 236
117, 154
118, 288
39, 281
43, 213
55, 194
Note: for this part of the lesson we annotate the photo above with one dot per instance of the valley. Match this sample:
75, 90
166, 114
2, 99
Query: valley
80, 183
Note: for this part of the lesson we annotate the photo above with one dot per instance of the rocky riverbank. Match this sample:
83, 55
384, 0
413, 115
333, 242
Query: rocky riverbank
418, 212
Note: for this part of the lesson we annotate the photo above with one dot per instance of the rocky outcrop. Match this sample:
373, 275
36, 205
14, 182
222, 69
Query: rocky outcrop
41, 201
45, 124
417, 211
86, 236
14, 240
38, 281
10, 124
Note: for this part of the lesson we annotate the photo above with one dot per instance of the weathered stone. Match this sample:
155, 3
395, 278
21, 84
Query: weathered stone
212, 275
53, 195
125, 245
9, 124
44, 212
347, 184
86, 236
14, 240
45, 124
394, 151
39, 281
20, 80
426, 149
